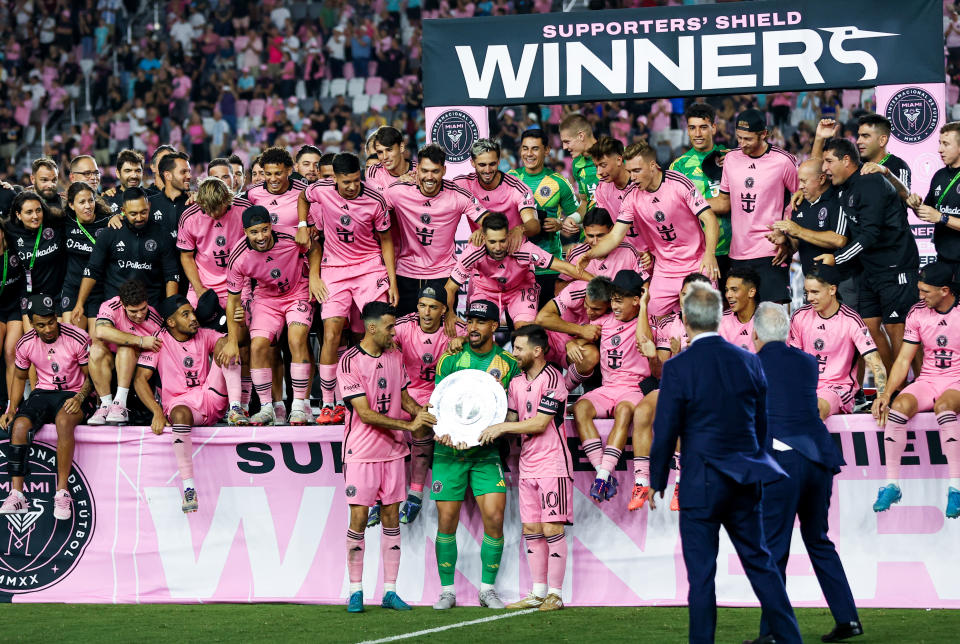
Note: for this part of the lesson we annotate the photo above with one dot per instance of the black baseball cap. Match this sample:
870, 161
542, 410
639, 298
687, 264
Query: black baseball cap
937, 274
629, 282
432, 293
170, 305
483, 310
827, 273
208, 308
255, 215
40, 304
751, 121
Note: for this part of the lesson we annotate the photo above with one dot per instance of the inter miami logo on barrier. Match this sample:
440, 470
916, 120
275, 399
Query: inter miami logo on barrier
913, 115
455, 131
36, 550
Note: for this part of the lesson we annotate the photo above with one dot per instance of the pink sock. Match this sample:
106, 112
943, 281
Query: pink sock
263, 384
894, 443
557, 562
537, 556
573, 378
183, 450
641, 470
593, 448
246, 387
611, 456
950, 439
420, 457
328, 380
355, 556
231, 374
390, 553
299, 377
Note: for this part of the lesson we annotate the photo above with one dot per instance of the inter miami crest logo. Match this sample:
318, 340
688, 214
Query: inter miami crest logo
615, 340
150, 245
48, 233
275, 273
345, 220
818, 344
64, 303
221, 241
187, 362
748, 182
941, 340
913, 115
351, 491
659, 216
425, 218
36, 550
427, 358
55, 367
382, 383
455, 131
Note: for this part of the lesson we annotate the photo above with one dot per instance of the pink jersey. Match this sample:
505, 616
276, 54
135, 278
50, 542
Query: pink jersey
609, 197
429, 227
281, 271
670, 327
570, 303
543, 455
623, 257
58, 363
181, 365
509, 197
833, 341
112, 310
759, 189
621, 364
282, 207
349, 226
381, 379
667, 219
512, 273
211, 240
421, 351
380, 178
939, 336
735, 332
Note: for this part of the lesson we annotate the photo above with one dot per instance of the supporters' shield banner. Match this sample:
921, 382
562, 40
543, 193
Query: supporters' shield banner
916, 113
727, 48
273, 518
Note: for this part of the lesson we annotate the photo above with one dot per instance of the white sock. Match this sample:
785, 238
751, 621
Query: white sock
419, 494
278, 404
388, 587
603, 474
188, 483
328, 405
20, 495
234, 403
106, 401
448, 589
955, 483
639, 480
121, 397
893, 482
298, 404
555, 591
355, 587
485, 587
540, 590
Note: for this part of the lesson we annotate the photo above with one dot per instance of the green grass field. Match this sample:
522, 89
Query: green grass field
298, 623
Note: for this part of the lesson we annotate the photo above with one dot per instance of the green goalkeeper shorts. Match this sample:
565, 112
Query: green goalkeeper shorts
454, 470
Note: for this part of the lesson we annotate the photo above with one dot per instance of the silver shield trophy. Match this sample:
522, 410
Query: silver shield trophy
466, 403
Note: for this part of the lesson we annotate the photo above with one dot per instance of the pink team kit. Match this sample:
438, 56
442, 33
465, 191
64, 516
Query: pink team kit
509, 282
609, 197
509, 197
569, 304
189, 376
939, 336
112, 310
668, 224
352, 265
421, 351
624, 257
282, 283
72, 347
373, 457
546, 466
379, 178
735, 332
670, 327
211, 241
282, 207
429, 227
622, 366
834, 342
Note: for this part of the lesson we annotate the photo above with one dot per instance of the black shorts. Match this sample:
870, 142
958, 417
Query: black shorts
774, 280
849, 291
547, 283
43, 405
409, 290
889, 295
10, 311
68, 300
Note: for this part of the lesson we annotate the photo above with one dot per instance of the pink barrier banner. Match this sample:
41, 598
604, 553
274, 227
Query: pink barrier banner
273, 517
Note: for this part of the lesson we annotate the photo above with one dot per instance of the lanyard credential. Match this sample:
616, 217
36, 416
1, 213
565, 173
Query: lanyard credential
943, 195
33, 259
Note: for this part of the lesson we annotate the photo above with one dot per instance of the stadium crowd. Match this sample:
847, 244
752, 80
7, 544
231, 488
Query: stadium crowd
130, 294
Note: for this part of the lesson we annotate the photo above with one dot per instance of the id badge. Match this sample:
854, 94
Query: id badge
29, 280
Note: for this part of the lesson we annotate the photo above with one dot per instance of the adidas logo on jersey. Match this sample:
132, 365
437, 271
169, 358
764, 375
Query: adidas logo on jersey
744, 332
656, 200
273, 203
942, 323
345, 207
485, 199
821, 328
269, 259
426, 204
429, 341
753, 166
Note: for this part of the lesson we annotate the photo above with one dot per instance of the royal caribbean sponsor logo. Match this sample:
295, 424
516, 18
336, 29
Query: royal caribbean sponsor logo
36, 550
455, 131
913, 115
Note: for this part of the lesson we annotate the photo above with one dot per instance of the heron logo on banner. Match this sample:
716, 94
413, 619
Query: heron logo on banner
36, 550
913, 115
455, 131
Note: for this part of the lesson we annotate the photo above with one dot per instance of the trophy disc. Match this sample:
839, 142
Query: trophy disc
466, 403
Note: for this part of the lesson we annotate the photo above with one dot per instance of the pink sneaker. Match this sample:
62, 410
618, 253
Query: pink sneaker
62, 504
99, 417
15, 503
117, 414
280, 411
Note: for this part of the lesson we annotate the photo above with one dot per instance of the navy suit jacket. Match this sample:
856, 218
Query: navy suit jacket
713, 398
792, 414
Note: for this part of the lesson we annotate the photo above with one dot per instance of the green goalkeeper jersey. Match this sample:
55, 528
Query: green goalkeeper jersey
554, 195
690, 164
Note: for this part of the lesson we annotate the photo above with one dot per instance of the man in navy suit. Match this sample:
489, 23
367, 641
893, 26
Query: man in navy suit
713, 398
801, 445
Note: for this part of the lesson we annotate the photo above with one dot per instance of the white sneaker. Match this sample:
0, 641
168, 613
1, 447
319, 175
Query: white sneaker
447, 601
99, 417
490, 599
264, 417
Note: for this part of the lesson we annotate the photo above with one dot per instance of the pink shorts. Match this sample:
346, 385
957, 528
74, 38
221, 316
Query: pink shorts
927, 390
344, 288
269, 315
367, 483
606, 398
664, 294
546, 500
521, 304
208, 402
557, 351
839, 397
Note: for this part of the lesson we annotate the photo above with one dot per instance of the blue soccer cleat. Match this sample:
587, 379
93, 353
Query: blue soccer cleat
373, 519
599, 490
392, 601
953, 503
356, 602
887, 496
612, 486
410, 509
